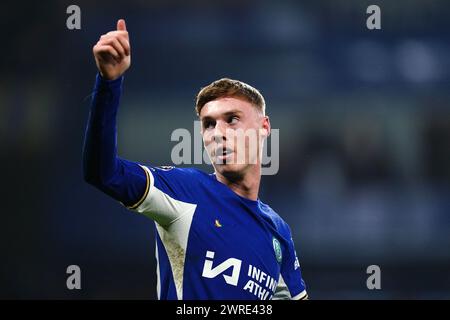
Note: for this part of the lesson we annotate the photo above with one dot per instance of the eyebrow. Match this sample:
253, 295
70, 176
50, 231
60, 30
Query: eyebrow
228, 113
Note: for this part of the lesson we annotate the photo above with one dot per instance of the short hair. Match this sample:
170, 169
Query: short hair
226, 87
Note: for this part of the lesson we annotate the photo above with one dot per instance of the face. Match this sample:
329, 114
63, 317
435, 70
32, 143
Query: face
233, 133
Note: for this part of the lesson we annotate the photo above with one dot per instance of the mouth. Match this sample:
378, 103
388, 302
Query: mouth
223, 154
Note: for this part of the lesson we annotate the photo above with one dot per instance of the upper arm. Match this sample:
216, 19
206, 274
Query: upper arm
282, 292
126, 182
291, 285
166, 197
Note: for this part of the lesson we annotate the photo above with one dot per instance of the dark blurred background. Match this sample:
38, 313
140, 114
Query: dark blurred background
364, 121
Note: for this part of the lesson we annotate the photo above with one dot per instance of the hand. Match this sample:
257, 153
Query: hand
112, 52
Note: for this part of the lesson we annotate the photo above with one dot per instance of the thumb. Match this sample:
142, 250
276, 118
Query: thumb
121, 26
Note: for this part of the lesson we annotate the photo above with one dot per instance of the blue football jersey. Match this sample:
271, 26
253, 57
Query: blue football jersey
212, 243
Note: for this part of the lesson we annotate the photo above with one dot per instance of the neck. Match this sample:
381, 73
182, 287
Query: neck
246, 185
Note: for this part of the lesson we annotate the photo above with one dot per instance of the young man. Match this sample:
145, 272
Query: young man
215, 238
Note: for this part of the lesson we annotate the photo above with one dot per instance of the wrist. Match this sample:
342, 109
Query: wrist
106, 79
102, 83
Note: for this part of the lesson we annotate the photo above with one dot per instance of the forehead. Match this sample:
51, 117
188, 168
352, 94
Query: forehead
225, 105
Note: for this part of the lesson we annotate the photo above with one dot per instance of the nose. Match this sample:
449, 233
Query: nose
219, 132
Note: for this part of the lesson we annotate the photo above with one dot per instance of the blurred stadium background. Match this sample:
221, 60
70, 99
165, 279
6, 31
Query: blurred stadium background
364, 121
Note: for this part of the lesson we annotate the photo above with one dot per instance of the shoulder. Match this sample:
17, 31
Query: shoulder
277, 221
281, 226
176, 181
178, 172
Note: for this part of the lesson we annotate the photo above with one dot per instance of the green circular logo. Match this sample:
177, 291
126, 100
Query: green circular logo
277, 249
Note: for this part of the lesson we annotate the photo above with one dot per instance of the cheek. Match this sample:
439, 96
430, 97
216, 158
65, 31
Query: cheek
207, 139
251, 124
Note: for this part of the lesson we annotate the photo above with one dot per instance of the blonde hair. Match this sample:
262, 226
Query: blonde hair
226, 87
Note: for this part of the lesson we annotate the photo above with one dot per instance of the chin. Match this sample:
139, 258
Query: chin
231, 171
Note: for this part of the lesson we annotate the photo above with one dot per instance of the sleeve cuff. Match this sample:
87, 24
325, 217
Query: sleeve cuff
102, 83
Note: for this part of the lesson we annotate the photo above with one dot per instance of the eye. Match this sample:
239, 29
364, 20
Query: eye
233, 120
208, 124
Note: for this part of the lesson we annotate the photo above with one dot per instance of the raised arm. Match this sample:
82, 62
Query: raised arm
123, 180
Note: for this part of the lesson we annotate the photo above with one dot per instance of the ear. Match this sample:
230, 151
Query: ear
266, 126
